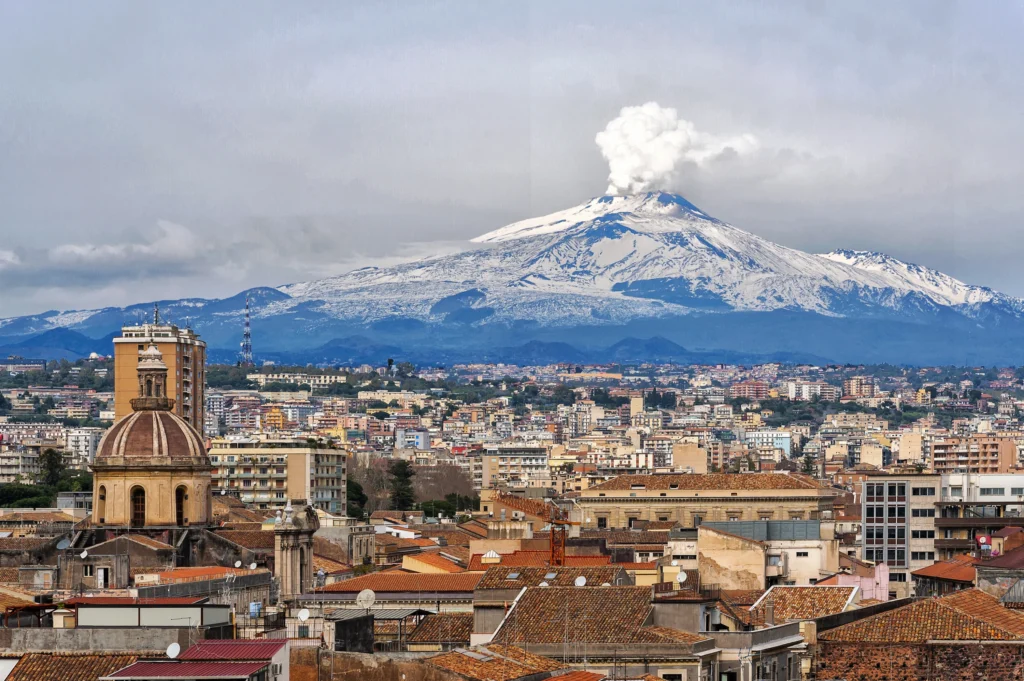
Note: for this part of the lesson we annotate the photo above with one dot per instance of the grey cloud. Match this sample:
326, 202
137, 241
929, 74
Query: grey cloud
294, 140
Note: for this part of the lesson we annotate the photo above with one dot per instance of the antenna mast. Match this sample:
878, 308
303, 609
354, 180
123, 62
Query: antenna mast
247, 338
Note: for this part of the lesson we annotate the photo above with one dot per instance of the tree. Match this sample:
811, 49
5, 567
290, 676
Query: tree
402, 496
52, 465
355, 497
809, 467
563, 394
380, 415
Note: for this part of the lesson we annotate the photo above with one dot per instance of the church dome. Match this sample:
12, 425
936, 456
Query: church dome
152, 437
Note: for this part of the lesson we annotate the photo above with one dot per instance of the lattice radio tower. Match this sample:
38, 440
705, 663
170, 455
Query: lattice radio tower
246, 338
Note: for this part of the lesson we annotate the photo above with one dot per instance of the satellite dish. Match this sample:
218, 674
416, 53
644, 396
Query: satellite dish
63, 544
173, 650
580, 581
238, 563
303, 615
681, 577
606, 584
366, 598
320, 572
223, 492
252, 566
675, 563
543, 584
83, 555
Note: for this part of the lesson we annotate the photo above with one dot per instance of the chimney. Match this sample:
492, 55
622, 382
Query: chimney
769, 614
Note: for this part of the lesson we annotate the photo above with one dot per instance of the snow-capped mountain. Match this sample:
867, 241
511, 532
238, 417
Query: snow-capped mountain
607, 271
615, 258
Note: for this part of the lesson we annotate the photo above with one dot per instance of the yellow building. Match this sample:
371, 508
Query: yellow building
268, 473
151, 469
183, 353
691, 499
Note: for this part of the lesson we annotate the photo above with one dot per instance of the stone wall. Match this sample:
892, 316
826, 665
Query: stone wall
349, 666
923, 662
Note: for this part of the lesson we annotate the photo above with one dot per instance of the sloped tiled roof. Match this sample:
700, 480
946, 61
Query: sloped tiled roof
22, 543
957, 569
710, 482
802, 602
494, 663
407, 582
535, 559
968, 616
435, 560
255, 541
611, 614
666, 635
328, 549
68, 666
8, 575
445, 626
628, 537
36, 517
497, 577
538, 509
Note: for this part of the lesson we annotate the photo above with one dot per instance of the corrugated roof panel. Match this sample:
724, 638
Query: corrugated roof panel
144, 671
245, 651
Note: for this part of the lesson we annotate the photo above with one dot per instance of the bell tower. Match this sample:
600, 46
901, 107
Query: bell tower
152, 374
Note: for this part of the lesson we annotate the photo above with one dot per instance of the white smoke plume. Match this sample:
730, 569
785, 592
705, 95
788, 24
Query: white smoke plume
645, 144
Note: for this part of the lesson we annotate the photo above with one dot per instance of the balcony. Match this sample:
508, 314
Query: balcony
997, 523
955, 544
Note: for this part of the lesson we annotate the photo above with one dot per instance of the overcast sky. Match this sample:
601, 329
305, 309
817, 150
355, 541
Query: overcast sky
195, 149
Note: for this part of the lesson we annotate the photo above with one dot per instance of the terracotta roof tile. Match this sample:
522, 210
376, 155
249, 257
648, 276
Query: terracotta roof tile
714, 481
498, 577
22, 543
435, 560
36, 517
446, 626
8, 575
494, 663
328, 549
68, 666
966, 615
802, 602
256, 541
958, 569
611, 614
666, 635
538, 509
535, 559
407, 582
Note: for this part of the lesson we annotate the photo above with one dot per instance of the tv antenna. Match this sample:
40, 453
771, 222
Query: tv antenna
246, 354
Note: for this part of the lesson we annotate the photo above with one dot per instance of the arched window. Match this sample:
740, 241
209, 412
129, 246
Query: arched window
138, 499
149, 387
180, 497
101, 504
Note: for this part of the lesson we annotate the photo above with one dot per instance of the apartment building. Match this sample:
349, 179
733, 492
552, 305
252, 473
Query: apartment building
269, 473
859, 386
514, 466
690, 499
80, 446
183, 353
751, 390
898, 525
771, 438
973, 507
974, 454
19, 464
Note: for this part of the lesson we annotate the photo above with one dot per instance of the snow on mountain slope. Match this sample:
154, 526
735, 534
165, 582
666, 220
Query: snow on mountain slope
610, 261
649, 255
939, 287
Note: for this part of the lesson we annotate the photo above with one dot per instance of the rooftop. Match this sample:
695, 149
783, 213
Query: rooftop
67, 666
802, 602
407, 582
507, 577
445, 626
710, 482
611, 614
534, 559
956, 569
965, 615
494, 663
243, 650
177, 669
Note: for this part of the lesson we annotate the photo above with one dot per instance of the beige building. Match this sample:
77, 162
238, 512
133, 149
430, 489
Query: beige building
974, 454
151, 468
690, 456
514, 466
183, 353
270, 473
690, 500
